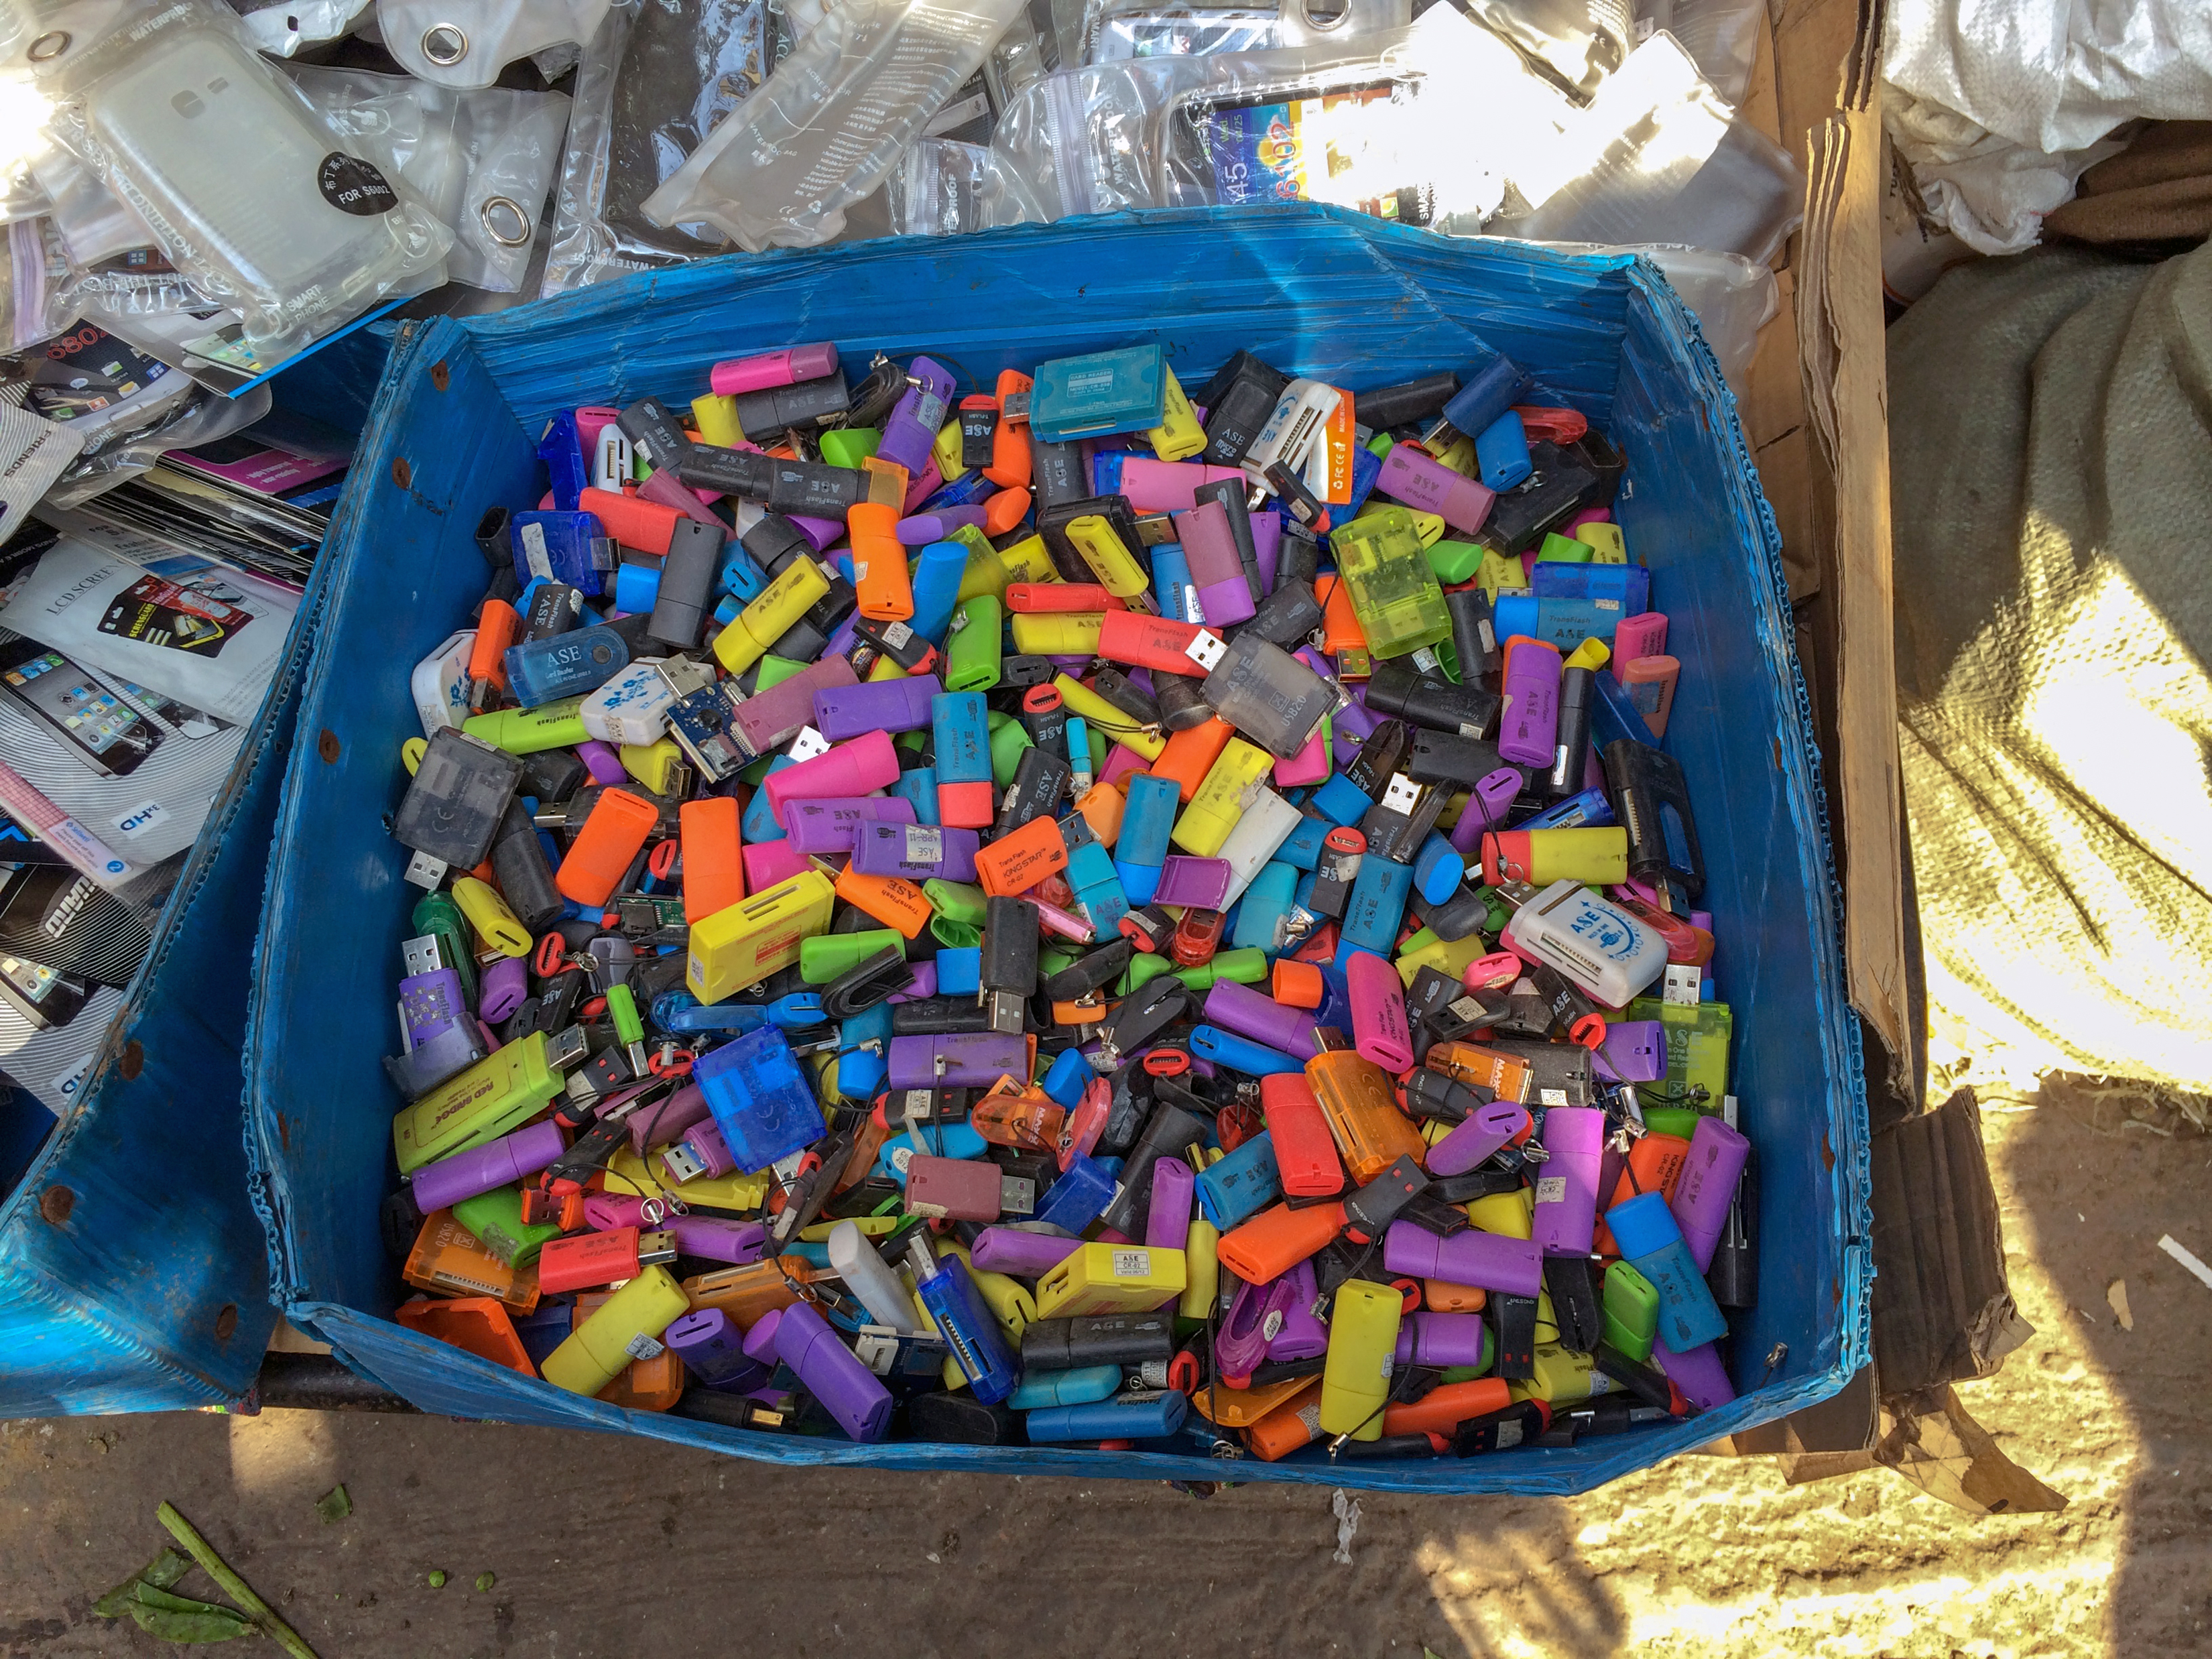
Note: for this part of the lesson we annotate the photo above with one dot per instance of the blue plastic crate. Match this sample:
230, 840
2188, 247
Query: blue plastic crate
1315, 290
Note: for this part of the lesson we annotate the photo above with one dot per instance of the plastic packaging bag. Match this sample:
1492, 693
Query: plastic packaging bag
249, 193
1722, 35
200, 417
483, 161
1116, 30
1577, 42
828, 127
38, 271
139, 283
1386, 123
281, 28
100, 384
465, 44
92, 223
653, 81
1657, 157
937, 187
22, 138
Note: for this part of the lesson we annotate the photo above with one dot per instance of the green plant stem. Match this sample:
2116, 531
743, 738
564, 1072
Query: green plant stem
236, 1588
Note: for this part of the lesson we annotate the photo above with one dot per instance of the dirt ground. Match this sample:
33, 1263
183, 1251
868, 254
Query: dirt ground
594, 1543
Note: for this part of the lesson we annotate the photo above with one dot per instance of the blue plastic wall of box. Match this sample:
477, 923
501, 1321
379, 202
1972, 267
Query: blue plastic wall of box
1315, 290
133, 1268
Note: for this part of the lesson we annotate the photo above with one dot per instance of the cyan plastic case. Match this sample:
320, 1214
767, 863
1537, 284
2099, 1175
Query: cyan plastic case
461, 403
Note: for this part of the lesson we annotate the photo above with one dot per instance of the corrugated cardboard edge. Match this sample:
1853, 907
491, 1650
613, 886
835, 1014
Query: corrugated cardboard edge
1826, 55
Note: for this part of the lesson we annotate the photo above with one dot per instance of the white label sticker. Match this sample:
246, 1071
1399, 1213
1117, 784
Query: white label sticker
1551, 1189
140, 818
895, 634
1193, 612
860, 570
924, 844
1425, 660
1310, 1416
1489, 636
67, 1084
1552, 1097
642, 1346
533, 550
1272, 1326
1132, 1264
1508, 1433
1606, 605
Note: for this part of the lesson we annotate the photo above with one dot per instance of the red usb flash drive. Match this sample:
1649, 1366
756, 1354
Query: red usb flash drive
1159, 643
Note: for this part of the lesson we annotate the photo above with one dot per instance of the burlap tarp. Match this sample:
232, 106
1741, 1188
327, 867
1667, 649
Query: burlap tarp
2051, 436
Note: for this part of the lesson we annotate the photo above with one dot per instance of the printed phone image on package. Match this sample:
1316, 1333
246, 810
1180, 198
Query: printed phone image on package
157, 611
1341, 148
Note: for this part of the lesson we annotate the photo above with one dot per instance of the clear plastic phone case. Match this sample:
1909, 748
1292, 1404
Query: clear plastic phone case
830, 124
251, 195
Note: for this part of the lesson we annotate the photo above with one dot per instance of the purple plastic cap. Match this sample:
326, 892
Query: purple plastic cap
1226, 603
1241, 1009
1167, 1223
1706, 1186
1023, 1254
1698, 1373
760, 1341
1204, 883
1266, 547
829, 825
506, 988
601, 761
1486, 1129
1491, 798
973, 1060
819, 532
1634, 1051
683, 1110
1240, 1342
937, 526
1441, 1339
1565, 1216
740, 1243
848, 1389
669, 491
466, 1174
1302, 1336
813, 363
1489, 1260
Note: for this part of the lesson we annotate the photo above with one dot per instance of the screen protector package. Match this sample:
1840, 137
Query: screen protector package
465, 44
481, 161
250, 194
827, 128
656, 79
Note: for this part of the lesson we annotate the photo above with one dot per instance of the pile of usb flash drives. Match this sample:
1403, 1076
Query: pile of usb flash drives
1073, 913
